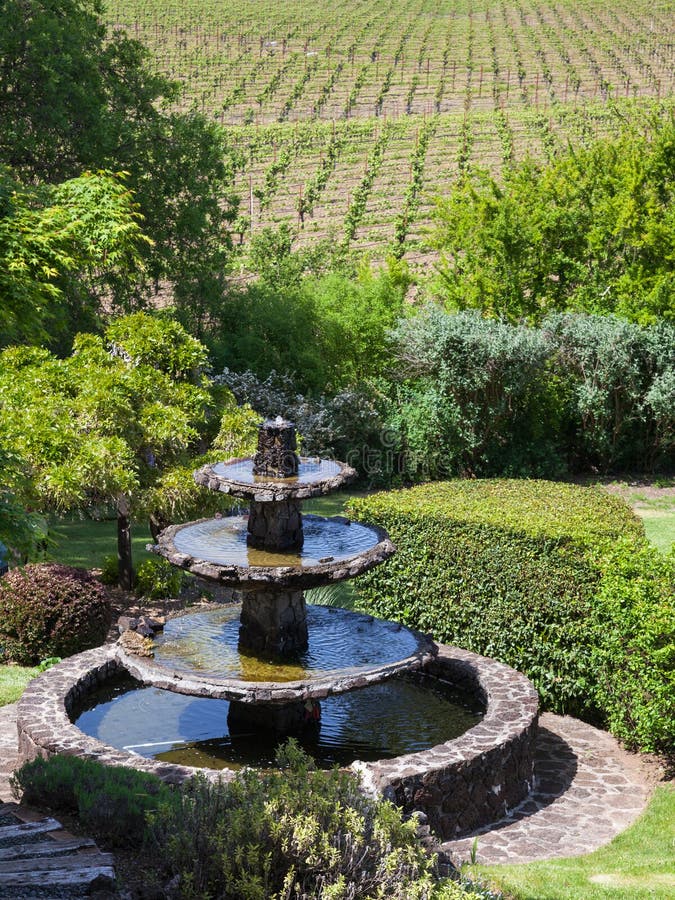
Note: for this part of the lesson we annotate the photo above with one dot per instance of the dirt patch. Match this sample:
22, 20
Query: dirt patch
643, 492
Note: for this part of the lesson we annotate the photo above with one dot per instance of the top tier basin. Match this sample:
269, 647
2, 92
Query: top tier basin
235, 476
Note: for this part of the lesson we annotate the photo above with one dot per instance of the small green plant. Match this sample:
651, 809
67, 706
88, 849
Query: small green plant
111, 802
297, 832
157, 579
47, 663
110, 570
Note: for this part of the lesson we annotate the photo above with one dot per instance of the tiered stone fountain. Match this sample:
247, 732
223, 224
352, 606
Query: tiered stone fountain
267, 663
271, 556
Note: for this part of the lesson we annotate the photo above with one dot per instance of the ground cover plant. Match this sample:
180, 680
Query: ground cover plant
554, 579
297, 832
345, 121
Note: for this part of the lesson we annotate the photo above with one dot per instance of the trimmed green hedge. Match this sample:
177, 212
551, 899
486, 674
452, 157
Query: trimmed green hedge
528, 572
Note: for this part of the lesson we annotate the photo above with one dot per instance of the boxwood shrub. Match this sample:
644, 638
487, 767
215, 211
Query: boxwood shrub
546, 577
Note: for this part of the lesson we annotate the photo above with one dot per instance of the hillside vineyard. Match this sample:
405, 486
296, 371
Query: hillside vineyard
346, 119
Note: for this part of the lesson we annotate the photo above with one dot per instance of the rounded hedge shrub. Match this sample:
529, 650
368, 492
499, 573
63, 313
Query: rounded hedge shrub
556, 580
51, 610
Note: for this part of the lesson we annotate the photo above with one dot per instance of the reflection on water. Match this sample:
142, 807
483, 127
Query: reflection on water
400, 716
310, 471
205, 643
223, 542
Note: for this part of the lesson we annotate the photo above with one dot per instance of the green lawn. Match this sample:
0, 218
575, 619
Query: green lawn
659, 527
655, 508
13, 680
638, 864
86, 543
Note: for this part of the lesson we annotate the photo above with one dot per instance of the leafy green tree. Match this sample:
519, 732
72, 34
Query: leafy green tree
328, 331
103, 425
57, 244
73, 97
20, 531
593, 231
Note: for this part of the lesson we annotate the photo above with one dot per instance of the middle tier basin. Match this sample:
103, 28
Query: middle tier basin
334, 549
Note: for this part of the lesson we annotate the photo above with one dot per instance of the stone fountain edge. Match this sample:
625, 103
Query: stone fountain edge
460, 785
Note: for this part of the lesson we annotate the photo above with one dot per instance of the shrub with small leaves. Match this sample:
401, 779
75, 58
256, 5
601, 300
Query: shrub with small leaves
111, 802
297, 833
291, 833
157, 579
511, 569
51, 610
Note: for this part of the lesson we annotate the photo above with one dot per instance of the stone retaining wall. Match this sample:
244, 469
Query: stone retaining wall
459, 785
478, 777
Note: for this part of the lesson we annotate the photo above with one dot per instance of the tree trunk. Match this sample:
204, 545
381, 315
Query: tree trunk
124, 560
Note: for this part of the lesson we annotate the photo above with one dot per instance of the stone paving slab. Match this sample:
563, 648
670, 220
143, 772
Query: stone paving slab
587, 791
8, 748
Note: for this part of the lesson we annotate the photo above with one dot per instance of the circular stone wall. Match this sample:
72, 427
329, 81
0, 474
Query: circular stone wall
460, 785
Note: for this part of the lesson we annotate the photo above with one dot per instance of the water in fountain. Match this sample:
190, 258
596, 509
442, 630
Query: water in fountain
398, 716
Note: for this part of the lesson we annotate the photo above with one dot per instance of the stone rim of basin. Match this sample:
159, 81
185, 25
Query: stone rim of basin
337, 681
264, 489
243, 576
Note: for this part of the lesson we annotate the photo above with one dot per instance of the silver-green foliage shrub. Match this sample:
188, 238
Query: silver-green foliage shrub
475, 396
617, 390
553, 579
296, 833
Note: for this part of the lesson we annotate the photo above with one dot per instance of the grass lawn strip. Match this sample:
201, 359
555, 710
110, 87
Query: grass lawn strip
636, 865
13, 680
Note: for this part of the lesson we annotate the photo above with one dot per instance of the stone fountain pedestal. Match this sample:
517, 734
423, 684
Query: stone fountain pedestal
272, 556
273, 622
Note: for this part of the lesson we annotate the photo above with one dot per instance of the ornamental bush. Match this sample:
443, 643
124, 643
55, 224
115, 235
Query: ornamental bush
635, 659
51, 610
296, 833
556, 580
111, 802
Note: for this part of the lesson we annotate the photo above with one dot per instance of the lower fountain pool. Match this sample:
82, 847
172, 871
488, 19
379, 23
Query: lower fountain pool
402, 715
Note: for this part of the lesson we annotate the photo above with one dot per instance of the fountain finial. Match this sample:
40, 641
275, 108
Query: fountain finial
276, 456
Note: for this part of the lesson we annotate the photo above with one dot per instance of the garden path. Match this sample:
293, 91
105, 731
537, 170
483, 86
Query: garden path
588, 789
